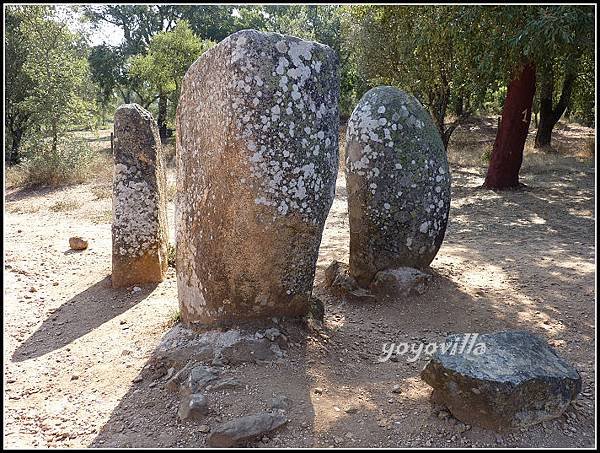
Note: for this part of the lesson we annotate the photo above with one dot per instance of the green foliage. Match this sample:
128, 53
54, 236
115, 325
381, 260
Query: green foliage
174, 318
54, 60
457, 59
486, 156
106, 70
583, 99
169, 55
42, 165
426, 50
18, 83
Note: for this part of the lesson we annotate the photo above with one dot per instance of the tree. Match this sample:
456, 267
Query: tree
583, 100
53, 59
169, 55
107, 65
427, 50
507, 153
18, 119
140, 23
571, 30
523, 38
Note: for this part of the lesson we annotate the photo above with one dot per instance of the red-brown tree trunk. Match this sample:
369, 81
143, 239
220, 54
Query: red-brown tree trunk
507, 154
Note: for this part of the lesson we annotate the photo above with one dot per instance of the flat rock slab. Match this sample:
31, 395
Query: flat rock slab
517, 381
184, 349
246, 428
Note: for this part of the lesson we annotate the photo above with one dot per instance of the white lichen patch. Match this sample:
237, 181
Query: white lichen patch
298, 117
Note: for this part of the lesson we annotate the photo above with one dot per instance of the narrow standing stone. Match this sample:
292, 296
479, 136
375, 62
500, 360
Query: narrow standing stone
398, 184
257, 153
139, 229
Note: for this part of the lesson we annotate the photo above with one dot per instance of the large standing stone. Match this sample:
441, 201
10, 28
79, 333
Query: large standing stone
139, 229
257, 152
398, 184
501, 380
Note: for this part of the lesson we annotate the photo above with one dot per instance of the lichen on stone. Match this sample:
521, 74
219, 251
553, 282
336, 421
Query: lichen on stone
397, 193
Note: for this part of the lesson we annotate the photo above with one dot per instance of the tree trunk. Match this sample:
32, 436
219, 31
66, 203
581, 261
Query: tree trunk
507, 154
14, 157
544, 132
54, 137
550, 114
162, 117
459, 106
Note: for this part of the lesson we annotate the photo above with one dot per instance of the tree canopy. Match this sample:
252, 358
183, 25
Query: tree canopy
457, 59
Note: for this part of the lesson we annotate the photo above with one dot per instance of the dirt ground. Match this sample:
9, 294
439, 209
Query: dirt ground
73, 346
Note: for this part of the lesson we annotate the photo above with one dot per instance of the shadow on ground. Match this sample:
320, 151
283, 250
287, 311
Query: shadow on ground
78, 316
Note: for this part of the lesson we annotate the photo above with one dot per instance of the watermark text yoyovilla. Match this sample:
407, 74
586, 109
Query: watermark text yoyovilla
460, 344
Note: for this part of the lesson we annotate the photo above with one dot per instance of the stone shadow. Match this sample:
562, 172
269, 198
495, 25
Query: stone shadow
78, 316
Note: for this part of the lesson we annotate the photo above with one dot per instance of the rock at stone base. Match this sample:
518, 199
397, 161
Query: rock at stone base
193, 406
388, 283
78, 243
401, 282
200, 376
513, 381
251, 350
338, 278
245, 428
225, 384
317, 309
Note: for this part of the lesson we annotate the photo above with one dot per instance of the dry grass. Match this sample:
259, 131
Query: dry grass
22, 209
65, 206
171, 190
342, 142
83, 156
471, 145
169, 153
104, 216
102, 191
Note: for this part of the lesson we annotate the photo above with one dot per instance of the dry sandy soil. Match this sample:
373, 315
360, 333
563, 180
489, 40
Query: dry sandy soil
73, 346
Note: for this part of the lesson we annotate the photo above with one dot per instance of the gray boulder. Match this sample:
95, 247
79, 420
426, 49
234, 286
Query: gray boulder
517, 381
398, 184
199, 377
245, 428
193, 406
